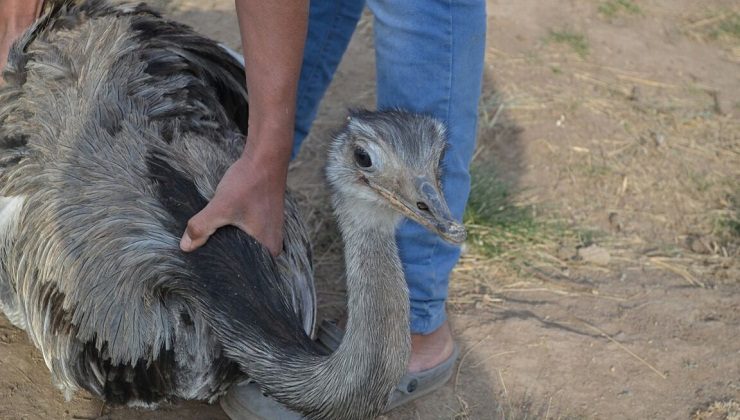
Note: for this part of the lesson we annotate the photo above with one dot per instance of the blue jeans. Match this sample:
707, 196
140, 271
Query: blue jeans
429, 58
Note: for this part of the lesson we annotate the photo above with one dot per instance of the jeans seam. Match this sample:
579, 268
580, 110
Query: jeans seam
450, 56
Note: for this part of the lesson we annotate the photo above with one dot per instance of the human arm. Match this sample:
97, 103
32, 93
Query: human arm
251, 194
15, 17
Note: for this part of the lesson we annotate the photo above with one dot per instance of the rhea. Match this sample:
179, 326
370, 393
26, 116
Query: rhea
115, 127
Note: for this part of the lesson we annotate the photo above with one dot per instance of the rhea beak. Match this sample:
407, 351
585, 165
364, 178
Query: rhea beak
429, 209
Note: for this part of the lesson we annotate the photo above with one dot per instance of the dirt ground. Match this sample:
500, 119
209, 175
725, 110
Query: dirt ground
613, 127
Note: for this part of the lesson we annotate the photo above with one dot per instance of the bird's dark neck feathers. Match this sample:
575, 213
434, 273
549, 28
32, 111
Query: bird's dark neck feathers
235, 283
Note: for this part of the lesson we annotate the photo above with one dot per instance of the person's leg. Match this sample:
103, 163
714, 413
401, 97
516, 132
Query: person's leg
330, 28
430, 60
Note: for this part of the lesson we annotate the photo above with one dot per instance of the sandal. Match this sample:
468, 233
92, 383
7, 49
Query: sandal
246, 401
413, 385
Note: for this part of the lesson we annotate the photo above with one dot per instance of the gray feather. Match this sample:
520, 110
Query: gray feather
83, 108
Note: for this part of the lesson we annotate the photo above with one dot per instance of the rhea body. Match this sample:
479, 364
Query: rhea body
115, 128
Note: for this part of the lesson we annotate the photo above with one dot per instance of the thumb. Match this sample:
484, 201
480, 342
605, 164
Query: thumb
200, 228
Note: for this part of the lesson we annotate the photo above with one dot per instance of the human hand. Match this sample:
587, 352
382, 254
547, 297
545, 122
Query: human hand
251, 197
252, 192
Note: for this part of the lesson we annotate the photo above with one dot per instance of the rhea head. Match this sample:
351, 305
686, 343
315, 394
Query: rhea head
386, 164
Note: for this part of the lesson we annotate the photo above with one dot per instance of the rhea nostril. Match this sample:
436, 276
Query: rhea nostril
422, 206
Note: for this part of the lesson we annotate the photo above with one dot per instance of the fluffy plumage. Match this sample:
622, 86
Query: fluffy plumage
107, 111
115, 128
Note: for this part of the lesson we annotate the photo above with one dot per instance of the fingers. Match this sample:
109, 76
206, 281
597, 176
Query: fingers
200, 228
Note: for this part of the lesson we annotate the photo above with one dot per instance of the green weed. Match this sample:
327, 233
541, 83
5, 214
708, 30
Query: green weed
610, 9
717, 26
497, 226
493, 221
727, 227
576, 41
729, 27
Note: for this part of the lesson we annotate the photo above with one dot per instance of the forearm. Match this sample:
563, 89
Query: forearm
13, 12
15, 17
273, 36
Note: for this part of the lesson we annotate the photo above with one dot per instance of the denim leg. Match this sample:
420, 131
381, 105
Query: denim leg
330, 27
429, 57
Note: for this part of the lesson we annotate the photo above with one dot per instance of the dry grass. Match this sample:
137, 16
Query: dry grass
659, 189
653, 165
719, 410
719, 25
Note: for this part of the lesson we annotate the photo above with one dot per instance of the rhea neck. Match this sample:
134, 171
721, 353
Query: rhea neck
376, 347
377, 303
356, 380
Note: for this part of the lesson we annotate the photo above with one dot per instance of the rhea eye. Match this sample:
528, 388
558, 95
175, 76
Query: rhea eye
362, 158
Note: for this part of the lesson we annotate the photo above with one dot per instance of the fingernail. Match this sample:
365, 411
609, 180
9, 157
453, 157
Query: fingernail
186, 243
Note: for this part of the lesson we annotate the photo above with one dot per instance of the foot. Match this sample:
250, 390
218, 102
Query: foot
428, 351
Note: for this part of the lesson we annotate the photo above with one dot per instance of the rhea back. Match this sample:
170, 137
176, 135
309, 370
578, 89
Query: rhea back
114, 129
